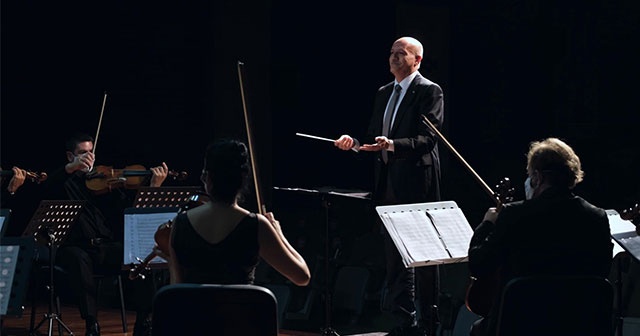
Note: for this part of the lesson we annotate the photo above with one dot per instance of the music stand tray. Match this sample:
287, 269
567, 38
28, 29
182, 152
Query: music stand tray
152, 207
623, 235
140, 226
164, 197
57, 217
428, 233
16, 256
5, 214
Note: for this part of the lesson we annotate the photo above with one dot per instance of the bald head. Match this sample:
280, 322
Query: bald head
405, 57
414, 45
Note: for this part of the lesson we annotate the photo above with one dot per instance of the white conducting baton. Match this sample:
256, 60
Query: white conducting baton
321, 138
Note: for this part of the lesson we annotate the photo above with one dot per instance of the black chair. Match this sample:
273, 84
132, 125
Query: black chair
211, 309
282, 293
556, 305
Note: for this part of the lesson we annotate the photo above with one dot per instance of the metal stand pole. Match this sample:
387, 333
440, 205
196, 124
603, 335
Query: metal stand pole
51, 315
327, 330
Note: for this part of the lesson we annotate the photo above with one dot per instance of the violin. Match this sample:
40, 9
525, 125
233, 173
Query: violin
163, 235
103, 179
31, 176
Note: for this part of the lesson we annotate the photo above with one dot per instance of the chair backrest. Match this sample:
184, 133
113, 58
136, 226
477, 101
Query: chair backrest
210, 309
556, 305
283, 296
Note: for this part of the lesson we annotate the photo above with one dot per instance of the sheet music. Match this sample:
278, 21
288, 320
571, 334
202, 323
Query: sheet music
8, 262
413, 233
618, 225
630, 242
454, 229
140, 229
428, 233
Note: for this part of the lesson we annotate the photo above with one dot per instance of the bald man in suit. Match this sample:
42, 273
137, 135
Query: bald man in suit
406, 170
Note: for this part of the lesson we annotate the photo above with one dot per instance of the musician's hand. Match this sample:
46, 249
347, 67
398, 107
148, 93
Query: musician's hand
275, 223
382, 142
17, 179
345, 142
83, 162
491, 215
159, 175
160, 253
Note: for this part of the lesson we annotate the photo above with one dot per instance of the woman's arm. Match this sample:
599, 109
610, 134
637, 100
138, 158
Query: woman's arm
277, 252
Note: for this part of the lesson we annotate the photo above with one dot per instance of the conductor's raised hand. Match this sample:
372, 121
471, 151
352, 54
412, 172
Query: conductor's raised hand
382, 142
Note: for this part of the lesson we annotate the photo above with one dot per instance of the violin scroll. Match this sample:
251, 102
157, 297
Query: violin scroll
504, 192
178, 176
631, 213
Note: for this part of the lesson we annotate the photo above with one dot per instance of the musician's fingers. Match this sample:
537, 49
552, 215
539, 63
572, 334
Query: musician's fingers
344, 143
370, 148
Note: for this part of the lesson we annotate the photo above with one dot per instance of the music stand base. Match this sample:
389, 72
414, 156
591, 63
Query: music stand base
51, 317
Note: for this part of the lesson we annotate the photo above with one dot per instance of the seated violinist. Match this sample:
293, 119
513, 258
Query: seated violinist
220, 242
95, 242
528, 237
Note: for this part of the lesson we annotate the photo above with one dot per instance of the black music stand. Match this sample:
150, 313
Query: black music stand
164, 197
16, 256
630, 242
327, 195
428, 234
50, 225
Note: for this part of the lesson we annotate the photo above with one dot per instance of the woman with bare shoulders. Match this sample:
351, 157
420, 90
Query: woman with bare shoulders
219, 241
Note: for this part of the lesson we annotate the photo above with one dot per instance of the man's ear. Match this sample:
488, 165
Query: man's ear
70, 156
536, 179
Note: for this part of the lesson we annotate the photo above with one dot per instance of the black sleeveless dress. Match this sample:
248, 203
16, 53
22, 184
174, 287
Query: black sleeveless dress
233, 260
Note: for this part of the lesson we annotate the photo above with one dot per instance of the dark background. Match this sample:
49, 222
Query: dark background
512, 72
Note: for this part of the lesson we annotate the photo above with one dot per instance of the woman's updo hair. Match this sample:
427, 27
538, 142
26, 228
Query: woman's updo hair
227, 165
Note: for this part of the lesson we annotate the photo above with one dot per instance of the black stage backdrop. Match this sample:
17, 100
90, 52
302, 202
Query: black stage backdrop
512, 72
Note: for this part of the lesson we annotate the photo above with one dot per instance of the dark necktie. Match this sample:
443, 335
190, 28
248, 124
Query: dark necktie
388, 115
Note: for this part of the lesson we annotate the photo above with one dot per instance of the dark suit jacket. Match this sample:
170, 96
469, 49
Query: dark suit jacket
414, 166
556, 233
